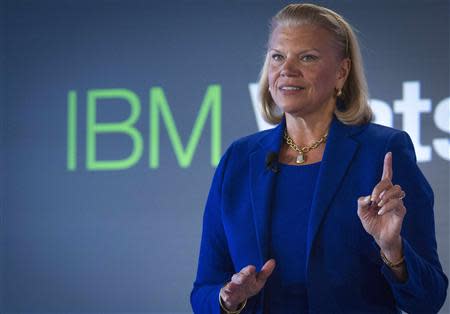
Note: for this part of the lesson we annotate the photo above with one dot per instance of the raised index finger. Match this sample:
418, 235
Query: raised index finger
387, 167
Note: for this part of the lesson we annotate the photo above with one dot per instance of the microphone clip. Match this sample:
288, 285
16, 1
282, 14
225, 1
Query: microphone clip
272, 162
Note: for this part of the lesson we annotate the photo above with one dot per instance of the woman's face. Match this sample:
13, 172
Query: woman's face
305, 69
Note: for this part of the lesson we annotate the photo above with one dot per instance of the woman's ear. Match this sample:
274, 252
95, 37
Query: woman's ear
343, 71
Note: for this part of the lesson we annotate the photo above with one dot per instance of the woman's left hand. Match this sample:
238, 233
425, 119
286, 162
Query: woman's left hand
382, 212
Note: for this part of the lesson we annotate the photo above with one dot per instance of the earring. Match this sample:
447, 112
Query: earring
339, 92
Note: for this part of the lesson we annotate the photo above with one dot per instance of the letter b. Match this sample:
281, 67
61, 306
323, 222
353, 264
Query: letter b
126, 127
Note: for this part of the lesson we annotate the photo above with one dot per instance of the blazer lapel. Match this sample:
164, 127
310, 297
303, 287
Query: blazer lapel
339, 152
262, 183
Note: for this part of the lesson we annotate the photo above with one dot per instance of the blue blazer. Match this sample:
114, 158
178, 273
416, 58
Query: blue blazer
345, 273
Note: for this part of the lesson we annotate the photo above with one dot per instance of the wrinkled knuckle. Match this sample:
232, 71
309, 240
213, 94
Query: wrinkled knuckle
359, 213
226, 298
243, 277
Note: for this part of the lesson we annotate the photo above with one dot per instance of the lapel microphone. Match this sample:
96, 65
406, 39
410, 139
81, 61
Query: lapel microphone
272, 162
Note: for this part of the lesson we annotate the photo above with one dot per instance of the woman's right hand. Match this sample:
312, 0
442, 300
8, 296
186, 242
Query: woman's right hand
245, 284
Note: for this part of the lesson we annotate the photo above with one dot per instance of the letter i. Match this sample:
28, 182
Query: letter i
72, 130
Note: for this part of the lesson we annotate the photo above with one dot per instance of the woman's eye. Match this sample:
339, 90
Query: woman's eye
277, 57
309, 58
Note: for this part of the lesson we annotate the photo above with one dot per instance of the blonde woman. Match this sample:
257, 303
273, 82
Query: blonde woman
327, 212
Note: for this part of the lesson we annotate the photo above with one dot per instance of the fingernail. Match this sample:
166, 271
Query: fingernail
380, 212
380, 203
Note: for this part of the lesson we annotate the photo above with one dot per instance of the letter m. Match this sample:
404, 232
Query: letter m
159, 107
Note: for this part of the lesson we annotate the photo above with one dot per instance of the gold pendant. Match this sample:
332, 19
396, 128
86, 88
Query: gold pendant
300, 158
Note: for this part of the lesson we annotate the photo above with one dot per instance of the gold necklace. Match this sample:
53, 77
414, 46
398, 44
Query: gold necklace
302, 151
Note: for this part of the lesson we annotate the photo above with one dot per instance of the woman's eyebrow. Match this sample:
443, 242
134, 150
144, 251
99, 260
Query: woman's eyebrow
301, 52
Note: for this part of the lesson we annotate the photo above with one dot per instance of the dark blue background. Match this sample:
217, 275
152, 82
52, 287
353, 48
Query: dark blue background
127, 241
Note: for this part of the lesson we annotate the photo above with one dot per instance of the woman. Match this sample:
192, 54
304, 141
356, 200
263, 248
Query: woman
331, 209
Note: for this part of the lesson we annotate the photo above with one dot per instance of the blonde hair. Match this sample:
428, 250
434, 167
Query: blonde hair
354, 108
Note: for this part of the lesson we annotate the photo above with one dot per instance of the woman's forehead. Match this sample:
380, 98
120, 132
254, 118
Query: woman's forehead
303, 36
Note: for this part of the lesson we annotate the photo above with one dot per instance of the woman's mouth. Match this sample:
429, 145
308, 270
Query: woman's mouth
290, 89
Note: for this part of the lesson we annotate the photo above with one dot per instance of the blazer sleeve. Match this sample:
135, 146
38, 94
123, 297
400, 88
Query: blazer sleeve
426, 287
215, 267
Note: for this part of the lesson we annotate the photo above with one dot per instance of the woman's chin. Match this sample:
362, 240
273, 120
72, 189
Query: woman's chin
296, 110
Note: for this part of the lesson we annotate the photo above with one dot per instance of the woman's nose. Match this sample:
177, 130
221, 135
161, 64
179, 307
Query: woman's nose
290, 69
